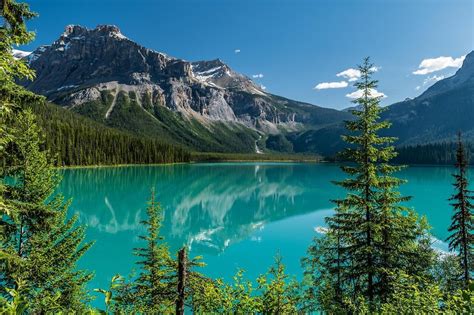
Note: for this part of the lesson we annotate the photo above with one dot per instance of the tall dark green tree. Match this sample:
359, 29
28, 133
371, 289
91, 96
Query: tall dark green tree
39, 246
371, 234
154, 289
42, 246
12, 32
461, 236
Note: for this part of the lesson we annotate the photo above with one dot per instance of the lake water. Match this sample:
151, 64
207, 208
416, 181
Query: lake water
236, 215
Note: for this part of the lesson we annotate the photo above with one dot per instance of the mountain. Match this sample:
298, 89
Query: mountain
440, 112
433, 117
204, 105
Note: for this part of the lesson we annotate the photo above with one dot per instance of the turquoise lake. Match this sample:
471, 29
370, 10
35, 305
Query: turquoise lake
236, 215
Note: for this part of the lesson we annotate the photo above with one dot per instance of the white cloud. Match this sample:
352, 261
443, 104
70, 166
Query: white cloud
373, 93
430, 80
257, 76
263, 87
350, 74
433, 79
436, 64
237, 51
331, 85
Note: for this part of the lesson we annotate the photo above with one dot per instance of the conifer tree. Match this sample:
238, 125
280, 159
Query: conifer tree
364, 216
42, 246
371, 234
154, 288
12, 32
461, 238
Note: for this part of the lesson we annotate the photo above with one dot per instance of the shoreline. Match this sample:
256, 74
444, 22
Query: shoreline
282, 161
190, 162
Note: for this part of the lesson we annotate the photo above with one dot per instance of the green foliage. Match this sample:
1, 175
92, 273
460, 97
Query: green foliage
412, 295
12, 32
76, 140
154, 287
41, 245
434, 153
215, 296
447, 273
279, 292
110, 300
158, 122
462, 221
371, 234
279, 143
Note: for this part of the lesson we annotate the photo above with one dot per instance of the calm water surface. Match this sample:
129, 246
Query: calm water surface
236, 215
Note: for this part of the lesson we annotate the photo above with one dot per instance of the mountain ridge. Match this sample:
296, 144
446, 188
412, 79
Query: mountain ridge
100, 73
207, 106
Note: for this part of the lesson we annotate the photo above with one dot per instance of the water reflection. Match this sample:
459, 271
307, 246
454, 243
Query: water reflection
236, 215
208, 207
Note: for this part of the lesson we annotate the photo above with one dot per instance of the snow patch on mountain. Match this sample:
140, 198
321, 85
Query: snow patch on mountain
20, 54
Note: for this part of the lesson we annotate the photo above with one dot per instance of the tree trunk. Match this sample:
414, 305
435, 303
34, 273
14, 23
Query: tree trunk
181, 281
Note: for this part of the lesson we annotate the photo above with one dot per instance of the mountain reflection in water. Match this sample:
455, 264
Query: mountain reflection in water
206, 206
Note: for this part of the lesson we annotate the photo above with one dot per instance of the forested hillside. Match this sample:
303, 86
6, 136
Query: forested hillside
76, 140
435, 153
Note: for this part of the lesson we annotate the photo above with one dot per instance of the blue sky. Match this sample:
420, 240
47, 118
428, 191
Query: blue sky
294, 44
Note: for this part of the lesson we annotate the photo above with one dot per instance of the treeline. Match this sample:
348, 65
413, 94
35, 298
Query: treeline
76, 140
434, 153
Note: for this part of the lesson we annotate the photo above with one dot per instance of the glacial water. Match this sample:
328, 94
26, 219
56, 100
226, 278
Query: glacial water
235, 215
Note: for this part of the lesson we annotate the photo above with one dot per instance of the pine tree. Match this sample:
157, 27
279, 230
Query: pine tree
371, 234
42, 246
358, 216
155, 285
12, 32
462, 222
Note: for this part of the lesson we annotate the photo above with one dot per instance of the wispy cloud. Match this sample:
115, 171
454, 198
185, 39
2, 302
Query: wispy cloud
263, 87
237, 51
430, 80
436, 64
350, 74
433, 79
373, 93
331, 85
257, 76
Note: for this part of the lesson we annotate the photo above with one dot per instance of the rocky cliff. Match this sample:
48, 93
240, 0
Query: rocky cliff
102, 74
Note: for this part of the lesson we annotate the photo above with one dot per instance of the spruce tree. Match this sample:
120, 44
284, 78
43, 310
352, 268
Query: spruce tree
461, 238
361, 214
371, 233
12, 32
155, 286
42, 246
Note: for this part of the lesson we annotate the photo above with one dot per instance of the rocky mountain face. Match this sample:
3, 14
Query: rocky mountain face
207, 106
104, 75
